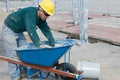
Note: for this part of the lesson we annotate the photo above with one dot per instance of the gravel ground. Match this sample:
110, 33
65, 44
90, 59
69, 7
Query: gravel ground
107, 55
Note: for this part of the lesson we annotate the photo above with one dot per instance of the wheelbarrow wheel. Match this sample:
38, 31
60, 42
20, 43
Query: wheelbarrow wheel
68, 68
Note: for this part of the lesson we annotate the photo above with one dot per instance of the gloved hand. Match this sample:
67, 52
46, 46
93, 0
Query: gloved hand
57, 45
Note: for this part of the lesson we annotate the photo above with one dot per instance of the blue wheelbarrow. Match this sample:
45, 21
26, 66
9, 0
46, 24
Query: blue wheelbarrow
48, 59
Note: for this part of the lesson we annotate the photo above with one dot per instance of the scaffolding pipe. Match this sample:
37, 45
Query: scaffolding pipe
38, 2
56, 6
83, 21
75, 11
7, 5
34, 2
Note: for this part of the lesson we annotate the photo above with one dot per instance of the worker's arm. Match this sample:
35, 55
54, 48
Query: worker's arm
30, 23
46, 31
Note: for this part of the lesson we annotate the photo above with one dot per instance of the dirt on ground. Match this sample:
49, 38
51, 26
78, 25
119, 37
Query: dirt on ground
107, 55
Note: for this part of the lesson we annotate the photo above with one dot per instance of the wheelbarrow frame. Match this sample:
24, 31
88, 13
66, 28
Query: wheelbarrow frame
46, 67
49, 69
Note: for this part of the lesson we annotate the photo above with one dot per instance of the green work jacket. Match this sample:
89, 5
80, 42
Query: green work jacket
26, 19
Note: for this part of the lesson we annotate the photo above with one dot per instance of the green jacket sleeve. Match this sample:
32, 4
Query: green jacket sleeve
30, 23
46, 31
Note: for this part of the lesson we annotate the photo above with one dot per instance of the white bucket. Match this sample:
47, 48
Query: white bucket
90, 70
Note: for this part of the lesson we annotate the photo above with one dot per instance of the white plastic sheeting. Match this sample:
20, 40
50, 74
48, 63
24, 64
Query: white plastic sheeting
83, 21
90, 69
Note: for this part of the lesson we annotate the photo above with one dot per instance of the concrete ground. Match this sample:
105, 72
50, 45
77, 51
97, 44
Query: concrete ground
107, 55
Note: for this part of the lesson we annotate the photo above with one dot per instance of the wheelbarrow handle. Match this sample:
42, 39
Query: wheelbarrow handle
50, 69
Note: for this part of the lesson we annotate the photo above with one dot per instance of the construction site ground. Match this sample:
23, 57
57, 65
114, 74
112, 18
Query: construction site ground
103, 28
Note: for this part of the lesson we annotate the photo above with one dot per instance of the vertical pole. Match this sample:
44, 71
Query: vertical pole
97, 8
7, 5
34, 2
56, 6
75, 9
38, 2
83, 21
108, 8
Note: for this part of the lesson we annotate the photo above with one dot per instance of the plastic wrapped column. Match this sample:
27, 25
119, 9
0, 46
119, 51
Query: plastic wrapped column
83, 21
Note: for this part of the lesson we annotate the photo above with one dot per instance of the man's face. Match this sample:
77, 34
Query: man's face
42, 14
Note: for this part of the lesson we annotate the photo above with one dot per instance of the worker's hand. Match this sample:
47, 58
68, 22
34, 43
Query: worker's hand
45, 46
57, 45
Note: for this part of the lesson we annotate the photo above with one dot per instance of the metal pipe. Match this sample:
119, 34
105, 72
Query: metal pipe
83, 21
7, 5
56, 6
75, 10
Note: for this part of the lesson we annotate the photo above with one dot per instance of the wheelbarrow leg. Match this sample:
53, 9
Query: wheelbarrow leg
78, 77
43, 74
28, 72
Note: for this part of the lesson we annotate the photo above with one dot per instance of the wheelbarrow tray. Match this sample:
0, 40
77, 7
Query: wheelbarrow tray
44, 56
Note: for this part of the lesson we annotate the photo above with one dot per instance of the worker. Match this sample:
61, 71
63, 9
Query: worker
26, 20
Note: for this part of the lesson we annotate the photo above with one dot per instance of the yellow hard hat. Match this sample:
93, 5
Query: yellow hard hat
47, 6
